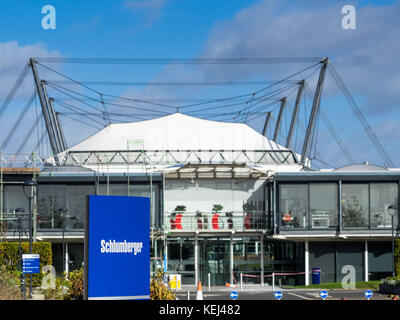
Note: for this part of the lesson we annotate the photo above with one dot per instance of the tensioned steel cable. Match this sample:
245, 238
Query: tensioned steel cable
18, 122
96, 91
339, 82
180, 60
81, 121
14, 89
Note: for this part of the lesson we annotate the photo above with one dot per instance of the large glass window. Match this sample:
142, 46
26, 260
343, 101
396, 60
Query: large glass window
14, 200
50, 199
293, 205
76, 204
246, 259
355, 205
323, 205
382, 195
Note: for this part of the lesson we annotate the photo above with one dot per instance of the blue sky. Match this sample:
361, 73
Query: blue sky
366, 58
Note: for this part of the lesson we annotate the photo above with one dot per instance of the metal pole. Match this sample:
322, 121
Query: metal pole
209, 282
314, 110
295, 113
63, 240
22, 277
393, 270
306, 264
267, 119
279, 120
196, 249
241, 281
273, 281
262, 258
30, 239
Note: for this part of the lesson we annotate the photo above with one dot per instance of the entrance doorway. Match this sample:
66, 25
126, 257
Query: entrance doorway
214, 260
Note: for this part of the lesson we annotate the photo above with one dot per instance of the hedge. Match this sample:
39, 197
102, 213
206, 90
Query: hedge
397, 257
10, 259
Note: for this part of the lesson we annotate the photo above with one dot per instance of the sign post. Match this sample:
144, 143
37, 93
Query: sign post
234, 295
117, 248
368, 294
323, 294
278, 295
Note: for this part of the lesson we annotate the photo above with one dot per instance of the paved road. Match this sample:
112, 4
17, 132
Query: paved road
287, 295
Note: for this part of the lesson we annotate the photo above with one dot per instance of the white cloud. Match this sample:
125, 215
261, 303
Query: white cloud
13, 59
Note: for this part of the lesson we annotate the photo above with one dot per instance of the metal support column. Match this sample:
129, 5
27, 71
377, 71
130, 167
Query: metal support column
231, 259
306, 264
61, 132
44, 110
314, 111
262, 258
366, 271
52, 117
279, 120
295, 114
267, 119
196, 260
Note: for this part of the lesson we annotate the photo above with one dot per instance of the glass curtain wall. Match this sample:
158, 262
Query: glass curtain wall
324, 205
355, 205
366, 205
293, 205
181, 259
316, 205
51, 198
382, 195
247, 260
284, 257
14, 200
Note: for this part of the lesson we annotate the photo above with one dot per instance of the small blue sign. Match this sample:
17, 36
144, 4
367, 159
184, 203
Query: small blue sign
323, 294
278, 295
30, 263
234, 295
368, 294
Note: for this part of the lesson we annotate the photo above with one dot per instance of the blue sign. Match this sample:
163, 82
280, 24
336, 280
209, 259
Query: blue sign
323, 294
278, 295
368, 294
30, 263
234, 295
117, 248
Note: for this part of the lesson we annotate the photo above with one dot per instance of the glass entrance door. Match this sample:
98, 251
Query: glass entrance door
214, 260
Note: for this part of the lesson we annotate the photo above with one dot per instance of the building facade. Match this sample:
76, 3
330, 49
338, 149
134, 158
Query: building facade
226, 202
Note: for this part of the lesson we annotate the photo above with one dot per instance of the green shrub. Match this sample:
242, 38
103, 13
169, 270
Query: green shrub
9, 257
75, 285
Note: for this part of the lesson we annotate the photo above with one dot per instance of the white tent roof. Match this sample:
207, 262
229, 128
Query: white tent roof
177, 132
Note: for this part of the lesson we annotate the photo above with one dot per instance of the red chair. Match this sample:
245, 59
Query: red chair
178, 221
247, 220
214, 221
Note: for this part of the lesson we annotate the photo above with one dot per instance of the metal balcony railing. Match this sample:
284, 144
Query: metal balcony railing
213, 221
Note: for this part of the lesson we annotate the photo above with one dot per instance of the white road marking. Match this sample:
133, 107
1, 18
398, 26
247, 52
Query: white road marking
297, 295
